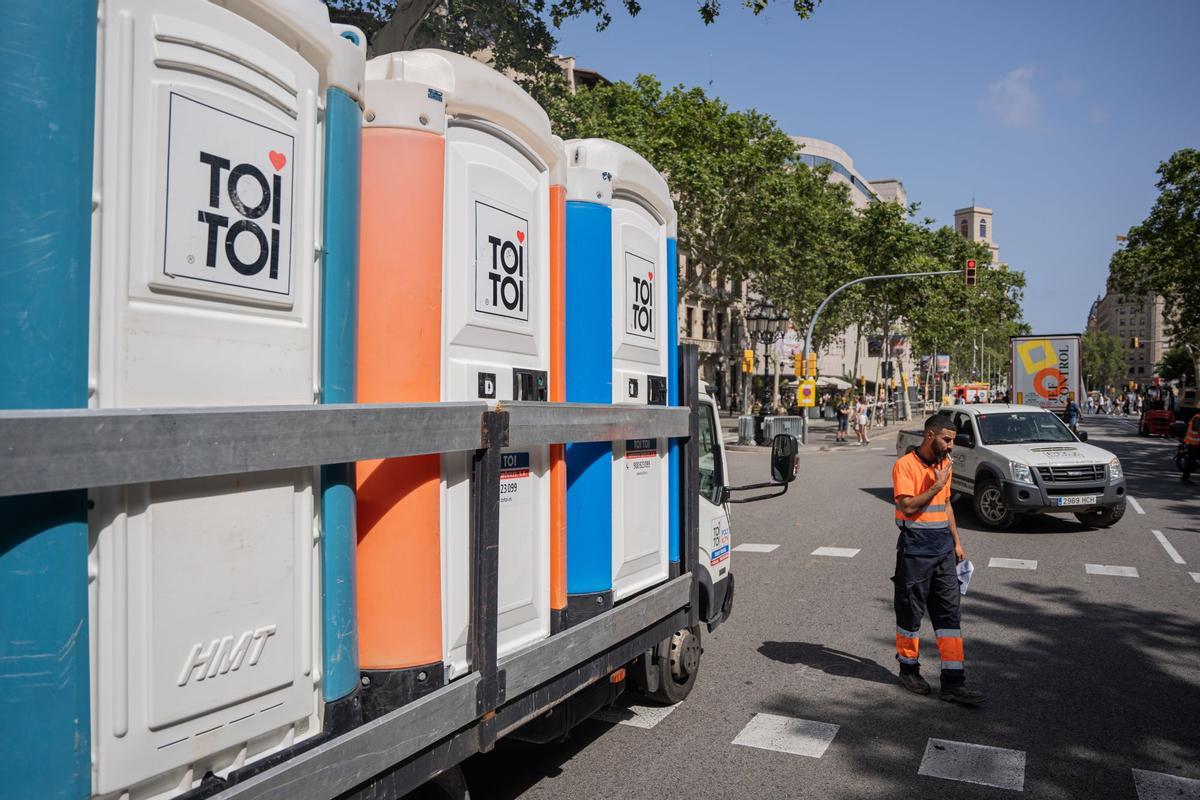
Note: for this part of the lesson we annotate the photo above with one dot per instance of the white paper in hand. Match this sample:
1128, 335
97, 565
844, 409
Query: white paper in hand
965, 570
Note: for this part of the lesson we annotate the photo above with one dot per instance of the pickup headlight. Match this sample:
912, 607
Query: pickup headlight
1114, 471
1020, 472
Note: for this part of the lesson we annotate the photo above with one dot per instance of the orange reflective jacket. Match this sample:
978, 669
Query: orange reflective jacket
910, 477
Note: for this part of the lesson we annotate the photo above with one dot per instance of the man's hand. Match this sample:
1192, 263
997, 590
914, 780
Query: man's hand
959, 553
941, 474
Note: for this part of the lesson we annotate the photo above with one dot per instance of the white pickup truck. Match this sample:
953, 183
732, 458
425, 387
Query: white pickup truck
1014, 460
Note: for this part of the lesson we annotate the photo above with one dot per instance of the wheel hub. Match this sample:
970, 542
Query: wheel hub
991, 505
685, 655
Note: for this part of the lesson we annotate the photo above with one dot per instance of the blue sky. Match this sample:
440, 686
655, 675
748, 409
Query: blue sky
1054, 113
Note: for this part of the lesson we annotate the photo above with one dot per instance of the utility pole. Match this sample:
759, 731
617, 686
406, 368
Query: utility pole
813, 321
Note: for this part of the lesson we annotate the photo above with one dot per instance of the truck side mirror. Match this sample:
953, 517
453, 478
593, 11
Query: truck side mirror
963, 440
784, 458
1082, 436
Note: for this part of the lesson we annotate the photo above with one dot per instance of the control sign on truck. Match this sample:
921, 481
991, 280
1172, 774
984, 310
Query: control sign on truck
1046, 370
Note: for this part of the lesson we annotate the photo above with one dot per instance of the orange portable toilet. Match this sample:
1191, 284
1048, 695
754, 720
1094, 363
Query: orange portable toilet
459, 299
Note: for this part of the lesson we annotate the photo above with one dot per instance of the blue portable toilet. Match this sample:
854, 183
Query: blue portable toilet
622, 516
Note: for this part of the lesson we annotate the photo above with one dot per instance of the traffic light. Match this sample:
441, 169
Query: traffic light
969, 275
1135, 342
812, 365
748, 361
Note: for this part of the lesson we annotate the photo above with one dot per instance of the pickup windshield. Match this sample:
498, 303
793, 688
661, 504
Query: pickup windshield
1023, 428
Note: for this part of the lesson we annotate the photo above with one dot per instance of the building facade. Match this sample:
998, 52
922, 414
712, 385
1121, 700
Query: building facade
975, 223
1133, 316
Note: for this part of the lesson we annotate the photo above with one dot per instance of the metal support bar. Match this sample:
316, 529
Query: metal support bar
485, 569
552, 423
43, 451
689, 472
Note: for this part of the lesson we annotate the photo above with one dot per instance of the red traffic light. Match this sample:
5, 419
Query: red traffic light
969, 273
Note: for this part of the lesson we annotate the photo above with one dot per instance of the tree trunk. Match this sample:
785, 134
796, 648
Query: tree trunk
399, 32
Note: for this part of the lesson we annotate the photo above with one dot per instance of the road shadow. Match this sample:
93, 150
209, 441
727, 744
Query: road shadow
827, 660
513, 767
1106, 687
883, 493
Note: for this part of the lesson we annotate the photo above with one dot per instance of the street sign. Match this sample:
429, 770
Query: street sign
747, 361
806, 396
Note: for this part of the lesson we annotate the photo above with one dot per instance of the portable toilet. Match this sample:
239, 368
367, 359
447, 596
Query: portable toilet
620, 342
455, 305
216, 126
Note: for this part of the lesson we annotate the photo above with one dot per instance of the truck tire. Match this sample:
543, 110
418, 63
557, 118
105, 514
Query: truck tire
678, 664
990, 508
1102, 517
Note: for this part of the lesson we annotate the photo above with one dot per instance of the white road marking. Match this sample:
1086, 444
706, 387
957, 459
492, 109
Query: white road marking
801, 737
1171, 551
1012, 563
1136, 505
634, 715
755, 548
1161, 786
1104, 569
974, 763
1195, 576
836, 552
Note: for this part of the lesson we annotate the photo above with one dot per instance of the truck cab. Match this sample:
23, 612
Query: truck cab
1014, 460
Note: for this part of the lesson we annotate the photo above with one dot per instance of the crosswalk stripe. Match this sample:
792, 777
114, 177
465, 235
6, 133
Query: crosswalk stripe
1161, 786
974, 763
1136, 505
801, 737
634, 715
1013, 563
755, 548
837, 552
1105, 569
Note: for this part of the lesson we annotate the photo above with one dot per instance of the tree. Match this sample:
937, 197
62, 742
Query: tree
405, 24
1176, 365
1162, 254
1103, 358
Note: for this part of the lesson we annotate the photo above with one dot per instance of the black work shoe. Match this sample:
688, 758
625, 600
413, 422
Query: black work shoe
915, 683
961, 694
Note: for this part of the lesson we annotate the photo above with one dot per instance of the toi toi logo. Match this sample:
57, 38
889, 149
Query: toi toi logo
248, 248
507, 273
642, 308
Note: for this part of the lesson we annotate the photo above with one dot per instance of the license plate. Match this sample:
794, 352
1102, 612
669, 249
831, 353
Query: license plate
1078, 500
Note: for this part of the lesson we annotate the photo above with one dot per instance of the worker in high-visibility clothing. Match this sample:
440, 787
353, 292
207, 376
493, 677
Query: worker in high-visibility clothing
1191, 440
927, 555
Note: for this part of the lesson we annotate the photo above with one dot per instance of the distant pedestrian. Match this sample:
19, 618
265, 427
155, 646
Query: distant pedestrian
861, 422
843, 418
927, 554
1071, 414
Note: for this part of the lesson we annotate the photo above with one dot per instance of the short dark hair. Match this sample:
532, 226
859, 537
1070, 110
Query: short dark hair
939, 422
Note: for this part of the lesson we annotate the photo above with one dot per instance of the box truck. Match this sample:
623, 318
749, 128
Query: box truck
1046, 370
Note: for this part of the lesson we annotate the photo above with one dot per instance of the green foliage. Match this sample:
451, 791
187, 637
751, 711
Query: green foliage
1103, 358
1163, 251
1176, 364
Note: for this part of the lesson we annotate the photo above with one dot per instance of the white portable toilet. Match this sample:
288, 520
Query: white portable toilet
500, 160
205, 604
643, 219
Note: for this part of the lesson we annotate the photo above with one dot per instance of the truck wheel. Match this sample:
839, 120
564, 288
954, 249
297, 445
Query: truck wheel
990, 507
678, 663
1102, 517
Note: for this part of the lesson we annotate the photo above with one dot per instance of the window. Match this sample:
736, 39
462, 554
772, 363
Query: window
964, 229
706, 324
691, 322
1141, 370
720, 325
983, 229
710, 458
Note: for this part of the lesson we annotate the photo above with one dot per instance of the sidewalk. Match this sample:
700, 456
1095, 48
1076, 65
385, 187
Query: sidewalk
821, 435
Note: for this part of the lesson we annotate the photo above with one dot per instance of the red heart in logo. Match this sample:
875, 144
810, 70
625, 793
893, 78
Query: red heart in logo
649, 276
277, 160
521, 237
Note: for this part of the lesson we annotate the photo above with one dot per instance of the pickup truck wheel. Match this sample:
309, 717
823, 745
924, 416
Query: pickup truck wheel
678, 666
1102, 517
990, 507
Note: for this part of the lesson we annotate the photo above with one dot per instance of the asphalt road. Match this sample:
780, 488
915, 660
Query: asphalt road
1090, 678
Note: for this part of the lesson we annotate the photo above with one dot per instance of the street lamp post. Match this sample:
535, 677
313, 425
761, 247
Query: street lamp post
766, 324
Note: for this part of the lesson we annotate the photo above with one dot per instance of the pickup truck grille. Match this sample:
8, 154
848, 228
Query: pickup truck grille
1072, 474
